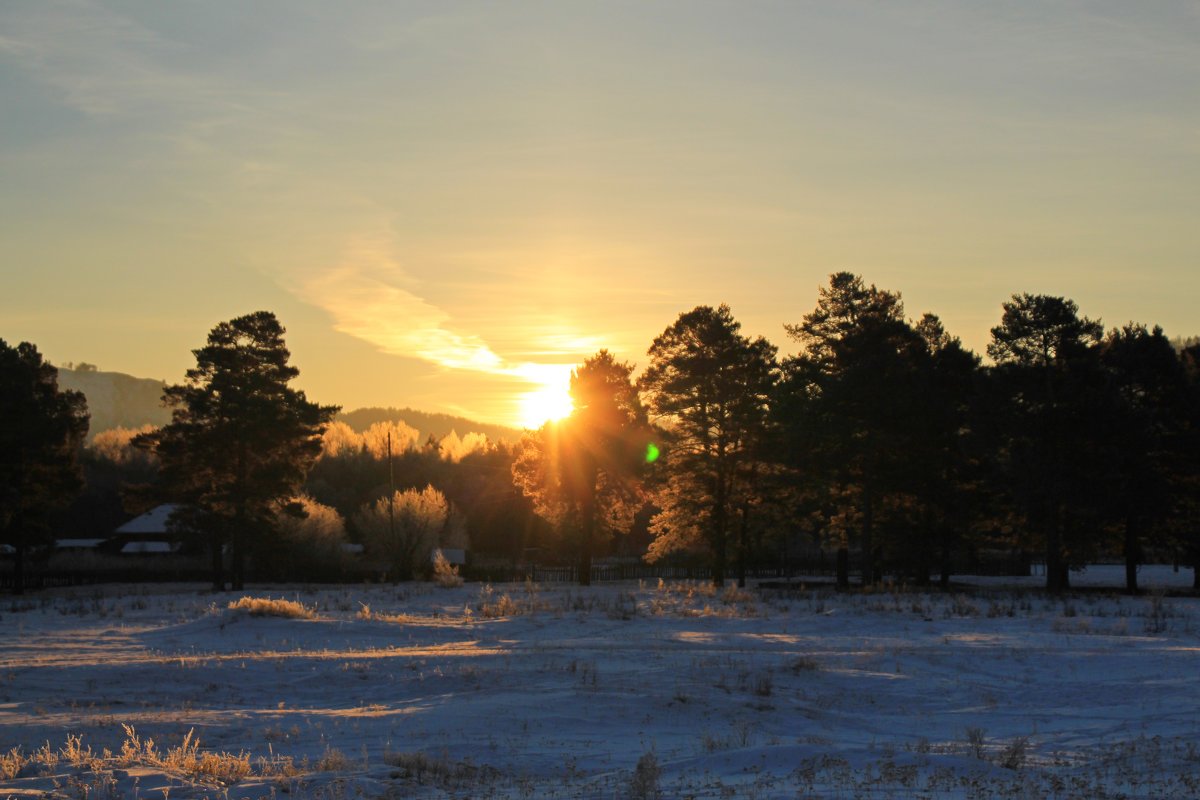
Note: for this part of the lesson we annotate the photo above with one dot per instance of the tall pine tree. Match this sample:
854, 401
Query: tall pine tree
709, 387
240, 441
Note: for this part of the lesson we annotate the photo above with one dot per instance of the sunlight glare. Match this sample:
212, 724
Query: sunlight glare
549, 401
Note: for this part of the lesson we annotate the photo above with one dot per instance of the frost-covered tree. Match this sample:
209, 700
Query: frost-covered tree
404, 529
309, 540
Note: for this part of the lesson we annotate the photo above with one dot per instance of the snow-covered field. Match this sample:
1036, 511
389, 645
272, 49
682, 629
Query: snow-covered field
609, 692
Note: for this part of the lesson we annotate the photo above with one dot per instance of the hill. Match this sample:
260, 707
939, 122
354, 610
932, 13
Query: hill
117, 400
429, 424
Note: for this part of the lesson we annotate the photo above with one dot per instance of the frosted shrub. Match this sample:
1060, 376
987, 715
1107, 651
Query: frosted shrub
493, 606
334, 760
445, 574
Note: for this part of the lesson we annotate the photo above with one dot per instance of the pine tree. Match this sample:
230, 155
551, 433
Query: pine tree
240, 441
709, 387
1048, 375
582, 472
41, 431
849, 407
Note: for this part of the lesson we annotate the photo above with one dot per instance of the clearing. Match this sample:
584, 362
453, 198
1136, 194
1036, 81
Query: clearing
611, 691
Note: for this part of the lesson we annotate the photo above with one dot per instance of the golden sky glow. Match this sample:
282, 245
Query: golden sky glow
451, 205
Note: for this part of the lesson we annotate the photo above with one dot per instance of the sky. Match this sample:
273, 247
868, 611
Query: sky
449, 205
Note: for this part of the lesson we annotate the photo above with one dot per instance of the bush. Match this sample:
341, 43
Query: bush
309, 545
445, 574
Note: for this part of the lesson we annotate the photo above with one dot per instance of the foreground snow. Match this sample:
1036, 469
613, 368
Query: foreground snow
613, 691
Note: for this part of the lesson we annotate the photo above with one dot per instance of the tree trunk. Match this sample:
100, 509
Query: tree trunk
215, 545
1132, 556
239, 520
718, 573
1054, 571
588, 534
868, 546
843, 568
925, 552
944, 577
720, 522
236, 582
19, 566
743, 546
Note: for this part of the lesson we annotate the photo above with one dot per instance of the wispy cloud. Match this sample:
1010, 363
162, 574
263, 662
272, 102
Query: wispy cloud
369, 296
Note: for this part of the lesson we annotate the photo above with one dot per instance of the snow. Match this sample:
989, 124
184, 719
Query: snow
416, 691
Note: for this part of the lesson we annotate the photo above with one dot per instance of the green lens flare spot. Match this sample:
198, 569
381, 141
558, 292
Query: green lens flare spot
652, 453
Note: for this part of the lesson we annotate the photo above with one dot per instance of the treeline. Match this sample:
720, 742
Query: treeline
883, 441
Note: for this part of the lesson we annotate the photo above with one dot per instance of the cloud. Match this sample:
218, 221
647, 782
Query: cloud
371, 298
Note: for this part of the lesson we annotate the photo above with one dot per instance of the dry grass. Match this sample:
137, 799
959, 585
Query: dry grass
426, 769
268, 607
365, 612
187, 759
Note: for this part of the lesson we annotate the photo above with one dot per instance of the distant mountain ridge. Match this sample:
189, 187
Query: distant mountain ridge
117, 400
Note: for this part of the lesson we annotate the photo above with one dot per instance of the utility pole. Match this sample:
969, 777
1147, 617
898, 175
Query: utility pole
391, 496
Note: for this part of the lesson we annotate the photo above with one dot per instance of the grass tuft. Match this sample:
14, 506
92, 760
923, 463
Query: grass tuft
268, 607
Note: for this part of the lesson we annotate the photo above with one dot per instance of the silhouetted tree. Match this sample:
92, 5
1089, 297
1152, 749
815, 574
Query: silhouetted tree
709, 387
1046, 369
944, 454
111, 465
581, 472
240, 440
1185, 465
41, 430
1146, 399
849, 407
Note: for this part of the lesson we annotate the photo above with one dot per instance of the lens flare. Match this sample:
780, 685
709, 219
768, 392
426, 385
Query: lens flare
652, 453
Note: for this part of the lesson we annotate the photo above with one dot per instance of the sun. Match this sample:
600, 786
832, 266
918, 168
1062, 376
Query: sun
549, 401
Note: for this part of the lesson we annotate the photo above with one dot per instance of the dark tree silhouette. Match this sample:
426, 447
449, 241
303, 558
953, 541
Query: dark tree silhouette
1185, 460
709, 387
581, 472
945, 457
240, 440
41, 431
1047, 372
850, 405
1146, 401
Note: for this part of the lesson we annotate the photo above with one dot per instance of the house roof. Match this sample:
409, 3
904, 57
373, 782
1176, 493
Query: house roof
153, 521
